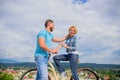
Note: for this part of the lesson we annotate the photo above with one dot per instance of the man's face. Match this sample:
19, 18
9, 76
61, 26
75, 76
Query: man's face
51, 26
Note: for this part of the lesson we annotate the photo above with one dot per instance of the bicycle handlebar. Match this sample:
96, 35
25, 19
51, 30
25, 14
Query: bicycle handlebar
49, 56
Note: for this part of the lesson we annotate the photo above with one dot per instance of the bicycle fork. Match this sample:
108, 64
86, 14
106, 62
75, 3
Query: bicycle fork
53, 70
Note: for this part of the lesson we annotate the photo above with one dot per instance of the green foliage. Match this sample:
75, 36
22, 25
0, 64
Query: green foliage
108, 72
29, 76
6, 76
16, 68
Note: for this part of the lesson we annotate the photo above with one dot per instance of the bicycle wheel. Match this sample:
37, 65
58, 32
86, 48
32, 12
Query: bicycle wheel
30, 75
86, 74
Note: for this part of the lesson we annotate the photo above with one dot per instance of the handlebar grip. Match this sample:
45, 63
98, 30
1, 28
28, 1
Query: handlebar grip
49, 56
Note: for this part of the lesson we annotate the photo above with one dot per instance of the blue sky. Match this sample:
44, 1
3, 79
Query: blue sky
98, 23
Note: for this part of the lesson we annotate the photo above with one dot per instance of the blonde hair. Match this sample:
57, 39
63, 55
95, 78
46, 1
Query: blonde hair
73, 28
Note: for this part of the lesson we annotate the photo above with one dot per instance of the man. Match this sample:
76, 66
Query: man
44, 39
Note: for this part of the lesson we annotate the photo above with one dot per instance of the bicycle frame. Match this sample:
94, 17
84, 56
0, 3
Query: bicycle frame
51, 68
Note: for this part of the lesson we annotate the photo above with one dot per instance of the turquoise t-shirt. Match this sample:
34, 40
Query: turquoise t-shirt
48, 39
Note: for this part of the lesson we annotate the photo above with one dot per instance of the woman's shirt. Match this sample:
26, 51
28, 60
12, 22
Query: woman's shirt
72, 43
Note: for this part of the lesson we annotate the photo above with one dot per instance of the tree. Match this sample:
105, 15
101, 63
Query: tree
6, 76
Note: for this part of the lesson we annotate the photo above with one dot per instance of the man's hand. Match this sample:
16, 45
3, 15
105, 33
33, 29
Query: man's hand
54, 51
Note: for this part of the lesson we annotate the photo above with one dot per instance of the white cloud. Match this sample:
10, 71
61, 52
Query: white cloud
97, 22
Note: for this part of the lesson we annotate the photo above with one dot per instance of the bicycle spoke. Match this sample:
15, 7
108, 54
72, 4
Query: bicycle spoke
86, 75
30, 76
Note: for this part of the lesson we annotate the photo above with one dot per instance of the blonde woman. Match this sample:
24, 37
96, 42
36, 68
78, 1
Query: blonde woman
72, 56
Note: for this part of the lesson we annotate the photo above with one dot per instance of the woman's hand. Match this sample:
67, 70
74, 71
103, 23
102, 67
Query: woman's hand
64, 45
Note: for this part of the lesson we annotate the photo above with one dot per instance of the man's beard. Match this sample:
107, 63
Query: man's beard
51, 29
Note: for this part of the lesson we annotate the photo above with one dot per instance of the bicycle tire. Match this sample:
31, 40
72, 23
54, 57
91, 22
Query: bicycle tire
28, 71
96, 77
31, 70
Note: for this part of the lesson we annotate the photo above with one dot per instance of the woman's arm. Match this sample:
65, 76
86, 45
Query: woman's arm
74, 47
65, 45
68, 47
59, 47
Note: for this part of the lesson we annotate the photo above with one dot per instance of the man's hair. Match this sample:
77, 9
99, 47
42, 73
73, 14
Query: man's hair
47, 21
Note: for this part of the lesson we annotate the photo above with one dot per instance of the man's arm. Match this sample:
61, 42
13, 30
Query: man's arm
42, 44
60, 39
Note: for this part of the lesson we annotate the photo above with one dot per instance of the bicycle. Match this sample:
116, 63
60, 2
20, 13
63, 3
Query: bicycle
83, 74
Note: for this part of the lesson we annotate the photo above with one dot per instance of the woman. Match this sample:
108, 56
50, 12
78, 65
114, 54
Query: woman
72, 56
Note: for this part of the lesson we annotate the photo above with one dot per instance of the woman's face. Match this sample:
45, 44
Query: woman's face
72, 32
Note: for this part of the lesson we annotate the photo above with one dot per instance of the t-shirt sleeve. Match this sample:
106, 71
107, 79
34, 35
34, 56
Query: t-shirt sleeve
41, 35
